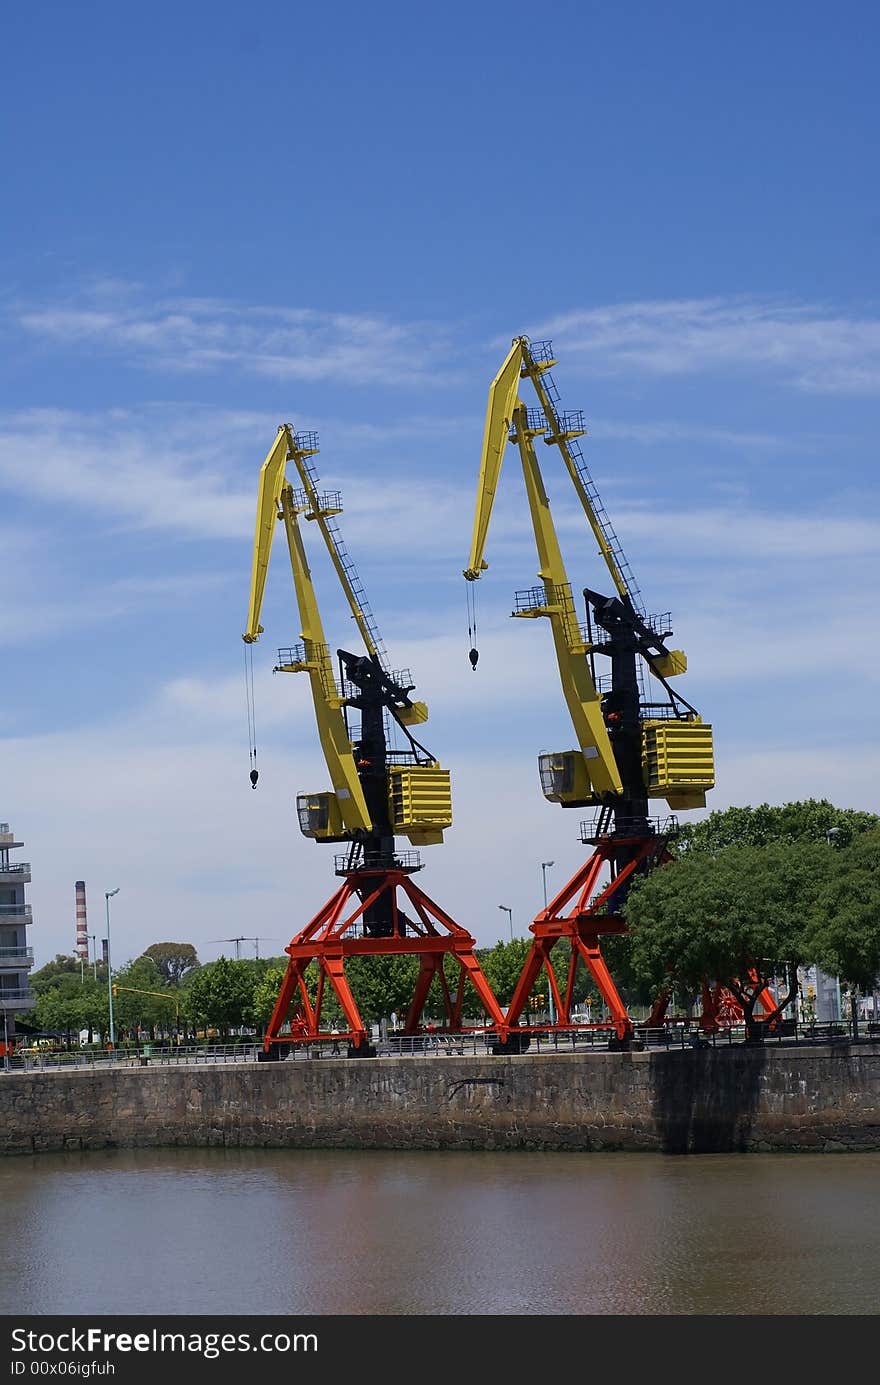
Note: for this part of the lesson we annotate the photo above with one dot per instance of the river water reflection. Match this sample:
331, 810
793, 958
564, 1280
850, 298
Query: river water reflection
315, 1232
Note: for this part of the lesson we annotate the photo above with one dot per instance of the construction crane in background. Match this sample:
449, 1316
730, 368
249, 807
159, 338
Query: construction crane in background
633, 745
378, 792
241, 939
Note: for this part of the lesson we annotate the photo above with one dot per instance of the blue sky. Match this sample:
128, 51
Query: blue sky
218, 218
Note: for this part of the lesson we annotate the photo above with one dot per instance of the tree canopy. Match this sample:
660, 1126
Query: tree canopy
71, 1003
843, 936
140, 1002
52, 972
221, 993
737, 916
174, 960
765, 883
265, 994
813, 819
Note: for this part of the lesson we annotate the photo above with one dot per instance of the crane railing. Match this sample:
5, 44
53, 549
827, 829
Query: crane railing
323, 508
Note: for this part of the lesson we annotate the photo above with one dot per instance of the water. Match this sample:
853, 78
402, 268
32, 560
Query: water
315, 1232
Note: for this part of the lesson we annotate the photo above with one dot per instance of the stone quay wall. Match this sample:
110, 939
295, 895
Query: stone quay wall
680, 1101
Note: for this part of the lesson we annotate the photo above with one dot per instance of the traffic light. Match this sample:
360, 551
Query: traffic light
115, 992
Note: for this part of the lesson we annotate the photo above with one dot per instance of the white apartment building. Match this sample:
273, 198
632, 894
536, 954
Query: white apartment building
16, 958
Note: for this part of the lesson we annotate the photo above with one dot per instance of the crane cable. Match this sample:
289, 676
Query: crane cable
473, 652
251, 712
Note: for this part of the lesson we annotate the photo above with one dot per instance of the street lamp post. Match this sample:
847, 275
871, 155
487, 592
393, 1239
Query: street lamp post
545, 866
509, 913
108, 895
94, 938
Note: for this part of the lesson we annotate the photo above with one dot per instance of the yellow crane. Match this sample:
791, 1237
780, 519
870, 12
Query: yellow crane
632, 746
378, 791
629, 749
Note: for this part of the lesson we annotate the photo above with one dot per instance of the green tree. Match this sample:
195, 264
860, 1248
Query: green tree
174, 960
53, 972
738, 916
382, 986
68, 1000
95, 1009
633, 988
843, 936
265, 994
138, 1004
503, 963
57, 1008
811, 819
220, 994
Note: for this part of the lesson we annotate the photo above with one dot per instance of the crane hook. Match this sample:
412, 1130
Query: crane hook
255, 774
474, 655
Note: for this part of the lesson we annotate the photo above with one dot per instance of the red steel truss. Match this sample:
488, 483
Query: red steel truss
337, 932
576, 913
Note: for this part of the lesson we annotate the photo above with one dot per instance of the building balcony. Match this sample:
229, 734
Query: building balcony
16, 913
16, 958
18, 999
18, 874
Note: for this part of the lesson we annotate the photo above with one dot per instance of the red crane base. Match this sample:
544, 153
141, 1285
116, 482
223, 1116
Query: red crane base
337, 932
583, 925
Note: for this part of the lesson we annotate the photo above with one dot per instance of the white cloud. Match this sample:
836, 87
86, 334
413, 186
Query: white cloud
111, 466
671, 430
743, 532
807, 345
159, 803
200, 856
821, 768
176, 470
160, 470
206, 334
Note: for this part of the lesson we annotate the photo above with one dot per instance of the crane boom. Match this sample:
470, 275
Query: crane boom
275, 500
499, 415
524, 360
563, 436
332, 730
506, 412
629, 748
579, 690
322, 509
269, 490
377, 791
